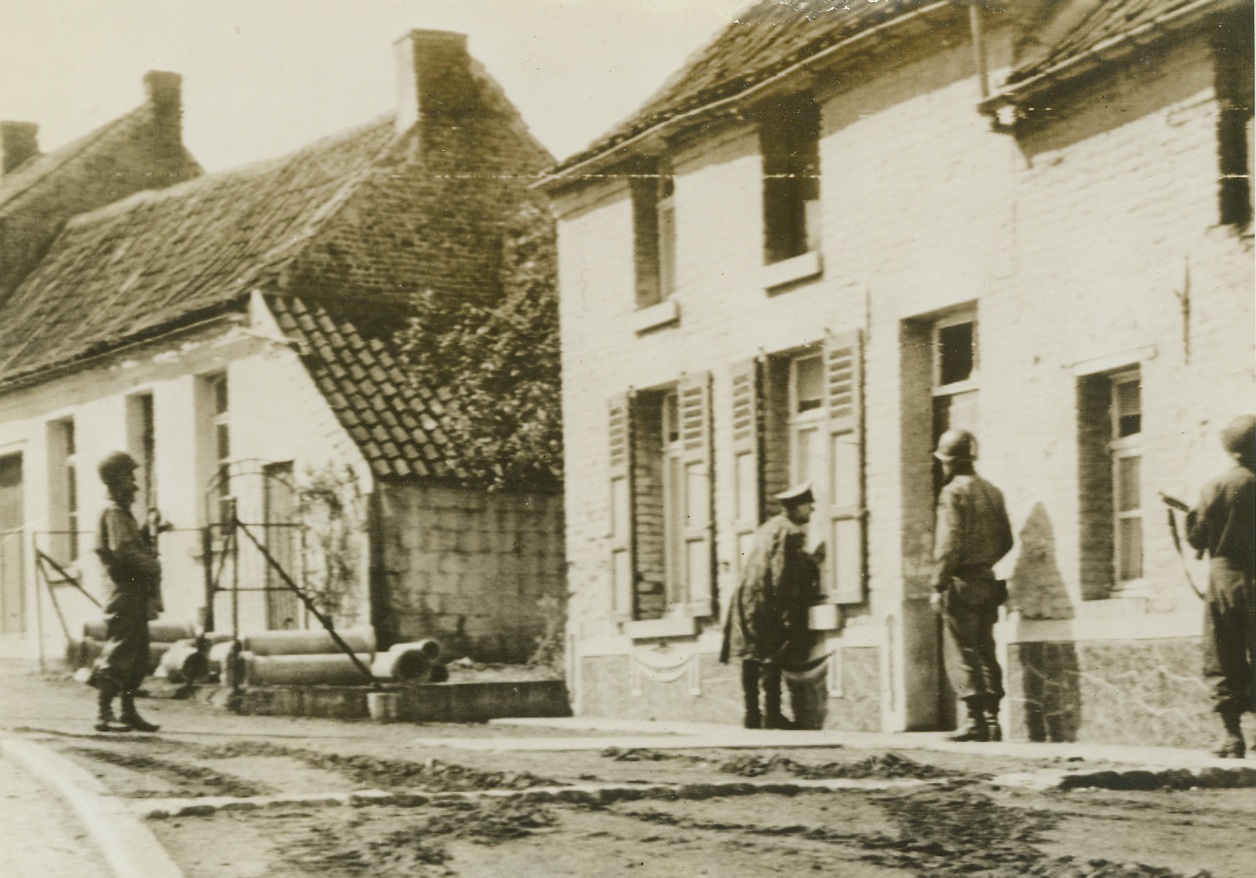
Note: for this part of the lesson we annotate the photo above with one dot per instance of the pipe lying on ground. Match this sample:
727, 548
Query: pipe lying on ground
310, 670
409, 662
315, 642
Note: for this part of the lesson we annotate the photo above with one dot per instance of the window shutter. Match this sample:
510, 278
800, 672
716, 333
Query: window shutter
747, 471
695, 440
846, 513
620, 537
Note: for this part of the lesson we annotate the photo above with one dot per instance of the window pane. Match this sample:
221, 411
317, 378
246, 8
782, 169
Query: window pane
223, 440
1128, 491
1130, 549
845, 554
220, 395
1127, 398
955, 353
809, 383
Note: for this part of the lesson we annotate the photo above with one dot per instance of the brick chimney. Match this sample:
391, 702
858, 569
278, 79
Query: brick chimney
164, 91
19, 141
433, 77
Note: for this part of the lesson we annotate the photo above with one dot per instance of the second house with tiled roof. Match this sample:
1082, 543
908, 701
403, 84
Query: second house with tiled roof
239, 335
844, 228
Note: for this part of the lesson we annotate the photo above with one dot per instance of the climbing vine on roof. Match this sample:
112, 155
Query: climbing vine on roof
496, 366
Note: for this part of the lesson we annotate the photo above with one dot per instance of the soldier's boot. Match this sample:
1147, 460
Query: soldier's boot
131, 717
750, 694
105, 719
976, 728
772, 716
1232, 745
994, 731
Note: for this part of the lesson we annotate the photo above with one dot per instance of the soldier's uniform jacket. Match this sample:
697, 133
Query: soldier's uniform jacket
129, 559
1223, 524
768, 617
973, 531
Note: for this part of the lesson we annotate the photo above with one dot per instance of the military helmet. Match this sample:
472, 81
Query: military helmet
956, 445
114, 465
1239, 436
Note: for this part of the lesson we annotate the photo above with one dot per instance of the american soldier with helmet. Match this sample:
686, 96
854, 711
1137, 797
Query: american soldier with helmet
973, 533
133, 573
1223, 524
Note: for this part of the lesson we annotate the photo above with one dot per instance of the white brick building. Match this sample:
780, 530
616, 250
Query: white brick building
238, 335
839, 231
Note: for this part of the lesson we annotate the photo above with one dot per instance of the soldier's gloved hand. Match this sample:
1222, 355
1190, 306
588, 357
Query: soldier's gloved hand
935, 602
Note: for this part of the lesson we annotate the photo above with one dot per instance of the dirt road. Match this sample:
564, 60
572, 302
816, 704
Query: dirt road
252, 796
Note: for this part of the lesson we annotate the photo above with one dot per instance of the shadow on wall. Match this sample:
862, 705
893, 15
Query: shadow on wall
1048, 671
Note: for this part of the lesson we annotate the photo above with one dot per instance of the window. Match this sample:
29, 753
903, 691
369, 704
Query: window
954, 345
662, 559
789, 133
1110, 478
811, 430
216, 444
1126, 450
1234, 87
654, 232
141, 444
63, 491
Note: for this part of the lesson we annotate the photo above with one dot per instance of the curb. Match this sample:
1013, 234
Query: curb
580, 794
129, 848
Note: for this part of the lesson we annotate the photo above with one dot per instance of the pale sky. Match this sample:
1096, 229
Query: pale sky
264, 77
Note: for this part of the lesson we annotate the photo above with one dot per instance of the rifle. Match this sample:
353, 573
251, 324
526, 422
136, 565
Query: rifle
1172, 504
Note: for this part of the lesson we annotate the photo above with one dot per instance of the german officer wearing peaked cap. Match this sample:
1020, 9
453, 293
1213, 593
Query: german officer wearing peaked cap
767, 622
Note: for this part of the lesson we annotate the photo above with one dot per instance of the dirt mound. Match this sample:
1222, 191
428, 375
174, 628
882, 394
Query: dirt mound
885, 766
186, 781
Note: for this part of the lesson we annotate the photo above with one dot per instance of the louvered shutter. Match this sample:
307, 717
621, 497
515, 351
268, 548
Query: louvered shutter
620, 537
695, 442
747, 471
846, 513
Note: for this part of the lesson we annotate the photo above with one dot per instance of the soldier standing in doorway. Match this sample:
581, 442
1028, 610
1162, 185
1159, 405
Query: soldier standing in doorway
767, 625
134, 575
973, 533
1223, 524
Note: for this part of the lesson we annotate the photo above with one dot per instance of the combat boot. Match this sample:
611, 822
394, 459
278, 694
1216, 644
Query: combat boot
994, 731
772, 716
1232, 745
105, 719
131, 717
750, 695
975, 729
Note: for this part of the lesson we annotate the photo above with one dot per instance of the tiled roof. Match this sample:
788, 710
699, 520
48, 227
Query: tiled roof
773, 35
37, 169
158, 259
1076, 27
767, 38
352, 352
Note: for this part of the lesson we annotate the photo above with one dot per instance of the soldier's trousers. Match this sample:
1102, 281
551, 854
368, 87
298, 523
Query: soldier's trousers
970, 607
1229, 637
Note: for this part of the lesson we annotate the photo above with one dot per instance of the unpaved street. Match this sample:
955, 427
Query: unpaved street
253, 796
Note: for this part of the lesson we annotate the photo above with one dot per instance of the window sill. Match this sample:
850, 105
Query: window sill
654, 316
658, 629
793, 270
825, 617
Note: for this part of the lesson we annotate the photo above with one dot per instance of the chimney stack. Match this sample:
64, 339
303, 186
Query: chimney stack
164, 91
433, 77
19, 141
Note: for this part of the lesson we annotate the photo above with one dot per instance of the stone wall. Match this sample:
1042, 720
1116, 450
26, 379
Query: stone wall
481, 573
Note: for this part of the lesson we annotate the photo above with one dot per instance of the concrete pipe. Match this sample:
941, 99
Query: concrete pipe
184, 662
158, 632
405, 661
219, 656
303, 670
312, 642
